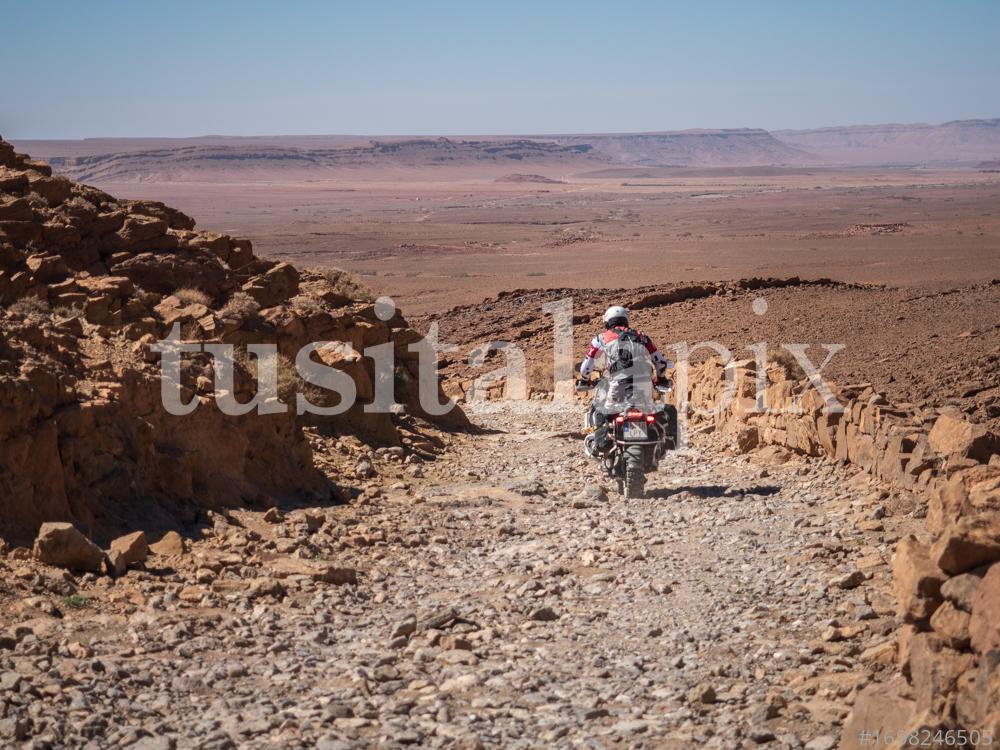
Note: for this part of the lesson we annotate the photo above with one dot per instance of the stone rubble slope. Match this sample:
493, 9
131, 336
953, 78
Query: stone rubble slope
87, 283
497, 597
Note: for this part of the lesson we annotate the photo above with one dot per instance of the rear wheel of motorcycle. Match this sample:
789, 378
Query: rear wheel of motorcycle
634, 480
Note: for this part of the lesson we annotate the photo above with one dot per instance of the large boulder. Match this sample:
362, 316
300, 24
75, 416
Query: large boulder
952, 435
61, 544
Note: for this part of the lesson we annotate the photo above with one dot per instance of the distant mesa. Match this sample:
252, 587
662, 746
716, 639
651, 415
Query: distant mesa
516, 177
693, 148
965, 143
955, 142
222, 159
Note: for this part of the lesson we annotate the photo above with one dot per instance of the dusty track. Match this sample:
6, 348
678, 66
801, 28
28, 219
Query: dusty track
714, 614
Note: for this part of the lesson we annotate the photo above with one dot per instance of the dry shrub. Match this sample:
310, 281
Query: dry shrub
191, 331
191, 296
31, 308
784, 359
241, 306
307, 305
64, 312
347, 285
289, 382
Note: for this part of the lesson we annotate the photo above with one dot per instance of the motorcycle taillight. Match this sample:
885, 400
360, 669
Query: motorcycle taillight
650, 418
633, 414
619, 420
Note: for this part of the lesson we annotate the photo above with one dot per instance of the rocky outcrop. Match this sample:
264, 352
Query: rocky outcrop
87, 283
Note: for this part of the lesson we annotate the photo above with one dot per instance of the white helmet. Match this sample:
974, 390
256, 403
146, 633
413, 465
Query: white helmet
614, 312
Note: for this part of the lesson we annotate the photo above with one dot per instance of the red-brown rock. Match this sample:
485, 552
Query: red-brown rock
984, 625
952, 435
61, 544
916, 581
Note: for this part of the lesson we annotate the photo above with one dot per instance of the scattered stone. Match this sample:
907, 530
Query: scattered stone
316, 570
131, 549
984, 624
848, 580
440, 619
171, 544
405, 627
824, 742
760, 734
544, 614
364, 469
590, 496
702, 693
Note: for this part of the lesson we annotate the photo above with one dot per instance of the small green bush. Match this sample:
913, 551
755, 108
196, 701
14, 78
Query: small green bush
75, 601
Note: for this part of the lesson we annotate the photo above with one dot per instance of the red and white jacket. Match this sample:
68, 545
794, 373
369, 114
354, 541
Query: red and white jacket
600, 343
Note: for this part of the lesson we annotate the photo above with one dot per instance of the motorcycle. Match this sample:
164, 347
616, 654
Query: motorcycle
638, 432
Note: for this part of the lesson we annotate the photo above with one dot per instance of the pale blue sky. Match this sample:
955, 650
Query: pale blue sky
77, 69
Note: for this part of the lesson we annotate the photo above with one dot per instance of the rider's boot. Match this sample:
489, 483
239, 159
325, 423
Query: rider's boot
602, 440
597, 442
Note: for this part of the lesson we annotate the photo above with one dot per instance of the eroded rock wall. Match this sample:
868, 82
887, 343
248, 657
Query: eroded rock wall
947, 580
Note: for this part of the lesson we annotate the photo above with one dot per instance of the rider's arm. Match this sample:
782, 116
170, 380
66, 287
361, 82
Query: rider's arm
659, 361
587, 366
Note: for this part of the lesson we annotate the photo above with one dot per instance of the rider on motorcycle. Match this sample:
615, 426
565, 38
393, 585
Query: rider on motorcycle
616, 342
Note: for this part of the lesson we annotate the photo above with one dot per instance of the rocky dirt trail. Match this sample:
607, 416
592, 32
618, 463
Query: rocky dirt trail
494, 597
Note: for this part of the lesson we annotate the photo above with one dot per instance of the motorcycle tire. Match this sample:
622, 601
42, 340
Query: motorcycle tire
635, 480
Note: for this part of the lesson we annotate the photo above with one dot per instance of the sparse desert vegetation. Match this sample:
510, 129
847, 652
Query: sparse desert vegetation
31, 308
192, 296
240, 306
347, 284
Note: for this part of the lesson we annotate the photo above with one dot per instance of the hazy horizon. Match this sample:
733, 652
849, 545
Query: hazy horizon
443, 68
533, 133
